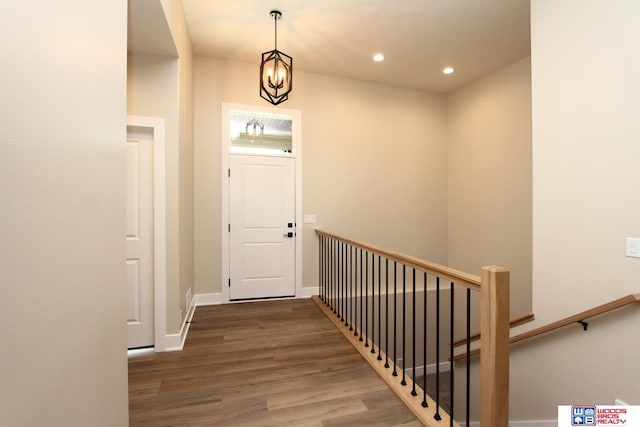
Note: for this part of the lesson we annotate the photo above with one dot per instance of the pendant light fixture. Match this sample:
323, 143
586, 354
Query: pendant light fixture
254, 128
276, 70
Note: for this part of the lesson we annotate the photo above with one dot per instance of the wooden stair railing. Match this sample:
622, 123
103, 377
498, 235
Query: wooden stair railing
570, 320
493, 287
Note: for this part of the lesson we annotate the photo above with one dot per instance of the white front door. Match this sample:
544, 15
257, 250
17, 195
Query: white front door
139, 193
262, 227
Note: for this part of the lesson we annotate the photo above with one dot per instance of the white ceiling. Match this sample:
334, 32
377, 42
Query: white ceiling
339, 37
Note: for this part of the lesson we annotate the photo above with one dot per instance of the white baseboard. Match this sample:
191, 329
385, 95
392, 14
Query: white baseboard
208, 299
175, 342
308, 292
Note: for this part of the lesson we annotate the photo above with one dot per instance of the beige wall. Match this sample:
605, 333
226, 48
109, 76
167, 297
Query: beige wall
62, 210
373, 161
162, 86
585, 64
489, 169
177, 24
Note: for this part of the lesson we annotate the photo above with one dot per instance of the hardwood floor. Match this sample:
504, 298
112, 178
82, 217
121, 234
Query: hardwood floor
261, 364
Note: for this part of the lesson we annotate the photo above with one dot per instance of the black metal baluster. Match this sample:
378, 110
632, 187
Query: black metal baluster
404, 323
329, 271
344, 285
395, 309
330, 277
320, 267
327, 276
325, 262
373, 303
424, 348
326, 270
468, 391
351, 285
386, 313
333, 276
437, 415
360, 339
347, 289
343, 282
339, 281
355, 293
336, 277
379, 312
366, 299
451, 371
413, 330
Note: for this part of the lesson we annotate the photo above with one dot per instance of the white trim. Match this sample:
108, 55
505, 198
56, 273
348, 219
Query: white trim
159, 225
208, 299
136, 352
296, 153
175, 342
308, 292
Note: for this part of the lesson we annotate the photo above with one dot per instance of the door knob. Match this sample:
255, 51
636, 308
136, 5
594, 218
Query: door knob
289, 234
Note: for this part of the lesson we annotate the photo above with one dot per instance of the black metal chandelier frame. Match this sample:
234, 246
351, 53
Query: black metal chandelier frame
276, 70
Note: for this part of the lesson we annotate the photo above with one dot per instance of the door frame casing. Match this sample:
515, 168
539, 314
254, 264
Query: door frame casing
157, 125
224, 156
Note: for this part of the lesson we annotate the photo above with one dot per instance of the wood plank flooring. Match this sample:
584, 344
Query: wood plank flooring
261, 364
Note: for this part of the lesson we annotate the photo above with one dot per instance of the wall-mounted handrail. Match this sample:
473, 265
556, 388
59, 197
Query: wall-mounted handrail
570, 320
515, 322
601, 309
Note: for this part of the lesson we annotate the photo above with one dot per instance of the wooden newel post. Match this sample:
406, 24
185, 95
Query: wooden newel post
494, 347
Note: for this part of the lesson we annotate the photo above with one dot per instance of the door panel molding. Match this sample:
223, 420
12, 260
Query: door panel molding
296, 153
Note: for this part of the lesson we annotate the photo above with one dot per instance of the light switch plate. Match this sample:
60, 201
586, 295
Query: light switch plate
310, 219
633, 247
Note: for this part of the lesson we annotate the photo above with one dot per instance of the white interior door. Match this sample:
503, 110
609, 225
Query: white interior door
262, 227
139, 193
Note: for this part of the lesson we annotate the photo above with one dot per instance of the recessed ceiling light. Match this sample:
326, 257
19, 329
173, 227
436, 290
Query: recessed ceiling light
448, 70
378, 57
